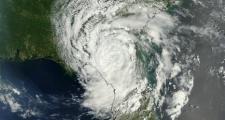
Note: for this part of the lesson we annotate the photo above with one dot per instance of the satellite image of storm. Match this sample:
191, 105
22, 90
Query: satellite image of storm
112, 59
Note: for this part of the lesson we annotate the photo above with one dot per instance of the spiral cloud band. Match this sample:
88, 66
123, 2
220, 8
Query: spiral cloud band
124, 54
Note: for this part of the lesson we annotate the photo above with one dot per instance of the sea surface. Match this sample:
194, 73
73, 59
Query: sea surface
44, 87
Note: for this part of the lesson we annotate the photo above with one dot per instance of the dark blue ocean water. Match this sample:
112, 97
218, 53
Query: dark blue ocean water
46, 88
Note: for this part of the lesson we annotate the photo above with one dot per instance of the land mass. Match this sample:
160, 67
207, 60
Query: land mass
25, 30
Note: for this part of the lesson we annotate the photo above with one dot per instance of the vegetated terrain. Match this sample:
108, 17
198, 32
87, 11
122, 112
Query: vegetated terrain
25, 30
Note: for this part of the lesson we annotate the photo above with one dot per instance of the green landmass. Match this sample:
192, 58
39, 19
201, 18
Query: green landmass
26, 31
